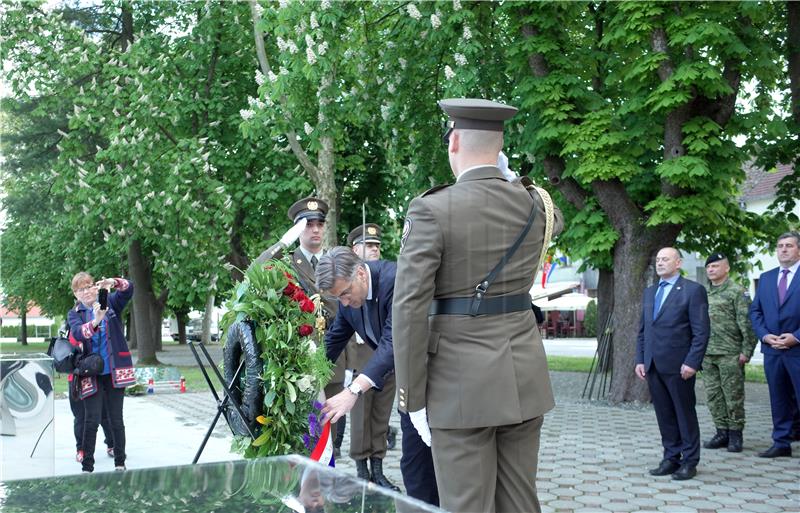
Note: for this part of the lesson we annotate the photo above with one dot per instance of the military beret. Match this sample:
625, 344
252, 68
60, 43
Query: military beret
369, 232
310, 208
716, 257
476, 114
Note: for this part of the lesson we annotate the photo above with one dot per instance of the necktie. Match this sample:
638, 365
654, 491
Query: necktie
659, 297
314, 262
782, 286
368, 323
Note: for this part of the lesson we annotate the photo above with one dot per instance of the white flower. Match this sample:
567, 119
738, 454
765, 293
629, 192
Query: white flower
283, 71
272, 77
467, 33
259, 77
402, 62
325, 4
307, 128
312, 347
304, 383
435, 21
448, 73
385, 112
322, 48
456, 5
291, 47
311, 56
259, 10
283, 3
309, 41
281, 44
413, 11
460, 59
313, 23
390, 88
246, 113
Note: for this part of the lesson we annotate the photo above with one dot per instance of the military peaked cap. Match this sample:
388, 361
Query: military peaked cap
310, 208
369, 232
476, 114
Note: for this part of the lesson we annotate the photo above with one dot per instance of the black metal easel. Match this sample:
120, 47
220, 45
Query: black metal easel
222, 404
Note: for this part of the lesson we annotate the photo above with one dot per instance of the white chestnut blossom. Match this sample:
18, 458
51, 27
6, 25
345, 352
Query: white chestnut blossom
413, 11
456, 5
311, 56
322, 48
385, 112
402, 62
283, 3
435, 21
313, 23
259, 10
390, 88
467, 35
448, 73
325, 4
272, 77
307, 128
283, 71
460, 59
246, 113
259, 77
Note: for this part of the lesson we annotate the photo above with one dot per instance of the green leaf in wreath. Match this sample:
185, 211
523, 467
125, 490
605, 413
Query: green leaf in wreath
269, 398
292, 392
290, 408
262, 439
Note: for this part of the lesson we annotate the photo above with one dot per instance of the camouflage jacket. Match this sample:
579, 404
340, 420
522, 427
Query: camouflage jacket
731, 332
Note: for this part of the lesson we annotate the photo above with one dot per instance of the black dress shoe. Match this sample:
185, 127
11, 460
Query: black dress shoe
685, 472
665, 468
776, 452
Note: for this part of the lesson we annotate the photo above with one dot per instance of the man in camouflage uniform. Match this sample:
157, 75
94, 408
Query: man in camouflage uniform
730, 346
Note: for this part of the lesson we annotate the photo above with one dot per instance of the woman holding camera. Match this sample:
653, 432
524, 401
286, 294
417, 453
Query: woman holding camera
96, 323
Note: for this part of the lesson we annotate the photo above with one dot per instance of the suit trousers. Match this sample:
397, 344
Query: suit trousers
783, 377
491, 469
416, 465
674, 402
369, 422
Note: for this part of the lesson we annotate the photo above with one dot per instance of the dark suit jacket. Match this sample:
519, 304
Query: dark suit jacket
769, 318
679, 333
351, 320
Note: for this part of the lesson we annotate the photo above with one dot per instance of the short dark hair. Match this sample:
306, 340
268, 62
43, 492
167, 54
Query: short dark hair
339, 262
790, 235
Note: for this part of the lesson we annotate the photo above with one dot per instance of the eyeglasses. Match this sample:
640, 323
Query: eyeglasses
448, 129
85, 289
343, 294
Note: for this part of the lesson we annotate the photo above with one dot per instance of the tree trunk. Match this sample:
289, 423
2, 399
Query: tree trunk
23, 324
133, 340
209, 311
605, 299
155, 319
326, 188
142, 298
793, 55
182, 317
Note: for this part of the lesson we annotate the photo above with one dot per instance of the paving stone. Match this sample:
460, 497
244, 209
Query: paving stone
787, 504
647, 502
726, 500
617, 495
565, 492
761, 508
594, 500
642, 490
669, 497
571, 481
621, 507
562, 505
594, 488
750, 496
702, 504
677, 509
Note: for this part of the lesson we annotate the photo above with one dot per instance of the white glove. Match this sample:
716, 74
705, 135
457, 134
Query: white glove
293, 233
502, 163
419, 419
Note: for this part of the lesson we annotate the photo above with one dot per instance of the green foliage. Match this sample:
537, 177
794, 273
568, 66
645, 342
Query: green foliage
590, 319
295, 365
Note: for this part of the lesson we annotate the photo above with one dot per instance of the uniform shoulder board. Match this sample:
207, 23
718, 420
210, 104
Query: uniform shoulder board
434, 189
527, 182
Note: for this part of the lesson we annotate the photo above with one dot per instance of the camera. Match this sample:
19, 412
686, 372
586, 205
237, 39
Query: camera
102, 298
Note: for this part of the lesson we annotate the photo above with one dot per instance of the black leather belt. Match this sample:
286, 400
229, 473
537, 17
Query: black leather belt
489, 305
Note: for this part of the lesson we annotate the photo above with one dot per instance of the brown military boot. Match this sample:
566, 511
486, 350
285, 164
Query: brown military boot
718, 441
735, 440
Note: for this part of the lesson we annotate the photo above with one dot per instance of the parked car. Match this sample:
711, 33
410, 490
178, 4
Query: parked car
194, 331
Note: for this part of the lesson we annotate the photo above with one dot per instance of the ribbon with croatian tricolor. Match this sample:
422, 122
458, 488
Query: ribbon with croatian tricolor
550, 266
318, 439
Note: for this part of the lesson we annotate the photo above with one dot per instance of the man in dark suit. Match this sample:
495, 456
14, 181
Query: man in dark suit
775, 314
669, 350
365, 291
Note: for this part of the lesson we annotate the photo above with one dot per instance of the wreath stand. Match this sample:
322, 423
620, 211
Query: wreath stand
222, 404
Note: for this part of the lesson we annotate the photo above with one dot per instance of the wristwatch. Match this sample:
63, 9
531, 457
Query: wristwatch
355, 389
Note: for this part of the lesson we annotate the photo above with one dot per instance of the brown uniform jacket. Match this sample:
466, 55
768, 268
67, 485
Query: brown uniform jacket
470, 372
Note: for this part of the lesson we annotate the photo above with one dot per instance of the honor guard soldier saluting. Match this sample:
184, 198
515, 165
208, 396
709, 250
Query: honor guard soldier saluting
308, 216
468, 354
730, 346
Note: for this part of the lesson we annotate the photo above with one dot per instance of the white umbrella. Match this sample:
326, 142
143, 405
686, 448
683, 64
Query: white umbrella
567, 302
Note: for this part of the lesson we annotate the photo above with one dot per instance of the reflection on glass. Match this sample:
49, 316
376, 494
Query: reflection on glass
283, 484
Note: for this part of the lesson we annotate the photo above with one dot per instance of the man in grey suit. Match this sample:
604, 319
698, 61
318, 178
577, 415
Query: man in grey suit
672, 341
468, 353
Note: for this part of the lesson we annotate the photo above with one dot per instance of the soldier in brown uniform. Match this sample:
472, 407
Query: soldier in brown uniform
369, 418
468, 354
304, 261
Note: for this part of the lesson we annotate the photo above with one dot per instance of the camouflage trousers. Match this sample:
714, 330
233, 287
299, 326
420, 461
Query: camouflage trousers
724, 381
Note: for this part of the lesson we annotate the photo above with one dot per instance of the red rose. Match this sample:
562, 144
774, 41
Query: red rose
288, 276
299, 295
305, 330
290, 290
306, 305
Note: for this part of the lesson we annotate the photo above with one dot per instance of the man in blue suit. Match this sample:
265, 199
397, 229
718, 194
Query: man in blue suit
365, 291
669, 350
775, 314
